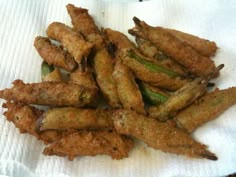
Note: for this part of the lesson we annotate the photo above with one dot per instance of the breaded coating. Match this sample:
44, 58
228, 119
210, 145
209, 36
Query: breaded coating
128, 91
150, 72
75, 118
84, 23
49, 93
142, 68
24, 117
84, 78
173, 47
119, 39
206, 108
103, 66
182, 97
159, 135
72, 41
150, 50
54, 55
91, 143
103, 63
202, 46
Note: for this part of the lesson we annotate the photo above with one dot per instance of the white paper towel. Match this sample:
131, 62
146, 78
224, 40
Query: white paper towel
23, 20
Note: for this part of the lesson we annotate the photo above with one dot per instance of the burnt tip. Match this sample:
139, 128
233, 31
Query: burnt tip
209, 155
220, 67
136, 21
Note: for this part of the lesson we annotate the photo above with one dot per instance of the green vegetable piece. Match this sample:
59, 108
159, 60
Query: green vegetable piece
151, 66
46, 69
151, 97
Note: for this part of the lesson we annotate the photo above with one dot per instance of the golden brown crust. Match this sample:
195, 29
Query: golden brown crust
75, 118
84, 23
24, 117
49, 93
84, 78
103, 66
128, 91
180, 99
161, 136
204, 47
72, 41
159, 79
173, 47
54, 76
149, 50
53, 55
117, 38
102, 61
81, 20
206, 108
91, 143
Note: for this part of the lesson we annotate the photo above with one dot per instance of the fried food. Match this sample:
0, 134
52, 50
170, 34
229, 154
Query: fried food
75, 118
84, 23
202, 46
159, 135
128, 91
119, 39
151, 72
49, 93
84, 78
102, 62
91, 143
149, 50
173, 47
103, 67
153, 95
54, 55
72, 41
205, 109
50, 73
182, 97
24, 117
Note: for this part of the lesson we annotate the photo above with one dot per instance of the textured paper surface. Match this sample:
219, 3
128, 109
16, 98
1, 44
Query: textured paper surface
22, 21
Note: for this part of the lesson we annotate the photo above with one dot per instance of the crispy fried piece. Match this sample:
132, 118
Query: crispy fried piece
49, 93
182, 97
102, 61
159, 135
75, 118
24, 117
84, 23
150, 72
204, 47
103, 67
72, 41
173, 47
128, 91
84, 78
149, 50
119, 39
91, 143
206, 108
54, 55
50, 73
143, 67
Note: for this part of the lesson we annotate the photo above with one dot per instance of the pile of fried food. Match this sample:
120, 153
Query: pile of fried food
155, 90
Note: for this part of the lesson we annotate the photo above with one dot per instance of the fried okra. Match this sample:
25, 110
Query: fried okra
72, 41
173, 47
49, 93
